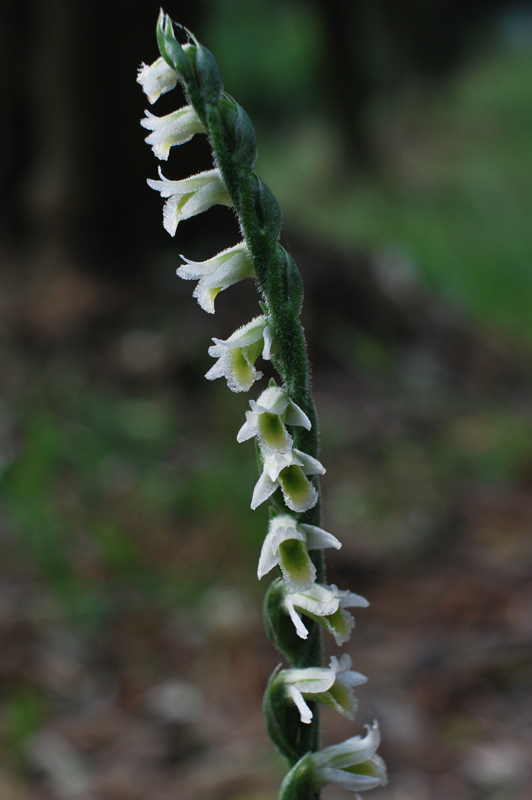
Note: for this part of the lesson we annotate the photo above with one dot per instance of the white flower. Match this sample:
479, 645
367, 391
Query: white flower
267, 420
156, 79
237, 355
190, 196
287, 544
176, 128
289, 471
225, 269
326, 605
353, 764
332, 686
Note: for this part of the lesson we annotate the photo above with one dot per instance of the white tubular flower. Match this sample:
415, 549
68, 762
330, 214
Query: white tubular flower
353, 764
267, 420
156, 79
176, 128
289, 471
237, 355
228, 267
332, 686
287, 544
190, 196
326, 605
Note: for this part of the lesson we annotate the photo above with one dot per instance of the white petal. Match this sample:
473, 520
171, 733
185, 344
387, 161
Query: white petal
297, 697
264, 489
320, 600
296, 416
284, 527
310, 466
312, 680
268, 556
317, 538
350, 600
352, 751
247, 334
268, 343
275, 462
273, 399
301, 631
348, 780
249, 429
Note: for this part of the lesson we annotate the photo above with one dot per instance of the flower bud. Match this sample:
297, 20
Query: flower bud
170, 49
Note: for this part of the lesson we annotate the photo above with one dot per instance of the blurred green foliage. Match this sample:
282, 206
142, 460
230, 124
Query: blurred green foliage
103, 486
23, 714
454, 193
269, 52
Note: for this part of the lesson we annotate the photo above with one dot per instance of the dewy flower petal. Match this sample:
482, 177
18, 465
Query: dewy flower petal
267, 419
287, 545
332, 686
237, 355
176, 128
325, 605
156, 79
227, 268
353, 764
190, 196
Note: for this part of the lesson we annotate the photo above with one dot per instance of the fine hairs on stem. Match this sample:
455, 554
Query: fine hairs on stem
299, 603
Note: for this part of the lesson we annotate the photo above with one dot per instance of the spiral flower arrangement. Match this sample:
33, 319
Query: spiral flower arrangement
299, 604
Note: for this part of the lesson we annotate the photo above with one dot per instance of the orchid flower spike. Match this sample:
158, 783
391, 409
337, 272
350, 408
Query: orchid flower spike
237, 355
332, 686
227, 268
190, 196
156, 79
325, 605
176, 128
289, 472
353, 764
287, 544
267, 419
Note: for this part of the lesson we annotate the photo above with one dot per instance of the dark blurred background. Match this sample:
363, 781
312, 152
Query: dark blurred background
397, 136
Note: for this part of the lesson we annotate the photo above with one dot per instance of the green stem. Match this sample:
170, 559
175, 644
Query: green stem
280, 284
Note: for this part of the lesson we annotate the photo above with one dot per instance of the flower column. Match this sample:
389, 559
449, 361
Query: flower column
282, 420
